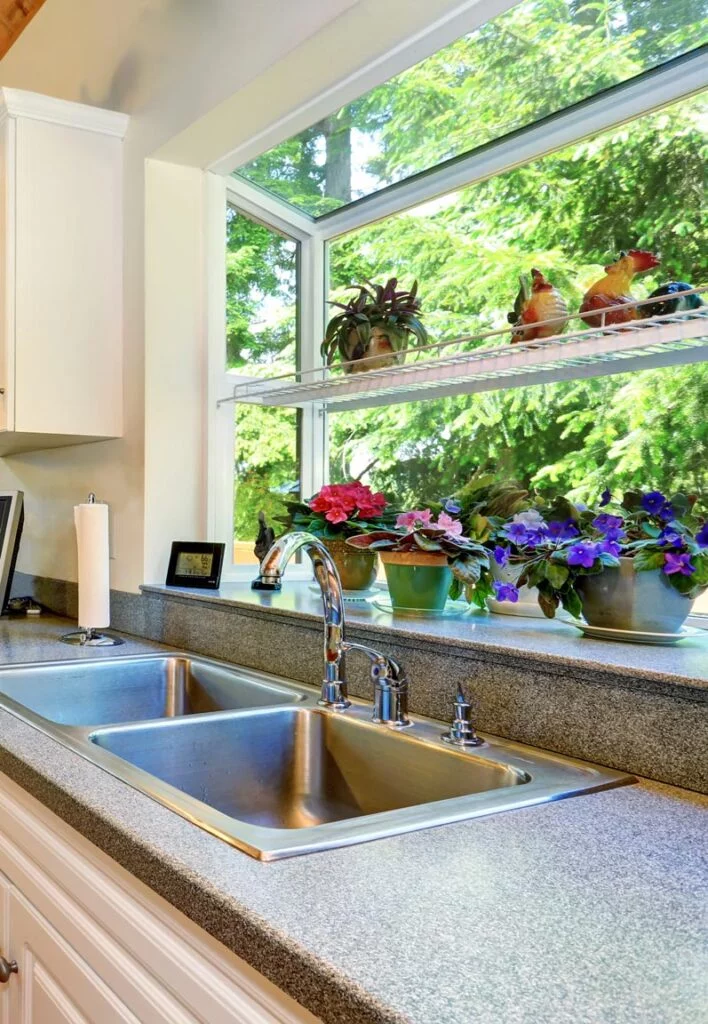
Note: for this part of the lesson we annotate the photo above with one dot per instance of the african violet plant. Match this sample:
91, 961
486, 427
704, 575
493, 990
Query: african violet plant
571, 541
418, 531
381, 319
339, 511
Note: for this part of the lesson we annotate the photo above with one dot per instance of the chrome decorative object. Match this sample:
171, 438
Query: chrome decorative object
390, 684
462, 732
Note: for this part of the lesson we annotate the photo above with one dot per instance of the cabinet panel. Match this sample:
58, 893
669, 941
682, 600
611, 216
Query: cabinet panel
55, 986
68, 309
5, 946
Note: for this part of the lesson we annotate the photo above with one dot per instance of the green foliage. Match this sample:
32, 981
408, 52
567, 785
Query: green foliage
640, 185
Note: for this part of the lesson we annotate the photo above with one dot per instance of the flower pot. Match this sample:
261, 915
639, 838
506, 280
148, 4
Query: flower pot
527, 605
417, 581
621, 598
356, 567
387, 347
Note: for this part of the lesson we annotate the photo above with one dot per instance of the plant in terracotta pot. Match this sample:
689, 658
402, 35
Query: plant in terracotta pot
636, 565
374, 329
339, 511
422, 556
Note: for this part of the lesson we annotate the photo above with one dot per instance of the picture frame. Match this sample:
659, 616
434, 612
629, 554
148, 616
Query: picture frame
195, 564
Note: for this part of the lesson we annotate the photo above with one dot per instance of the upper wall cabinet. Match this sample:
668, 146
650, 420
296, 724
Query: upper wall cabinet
61, 269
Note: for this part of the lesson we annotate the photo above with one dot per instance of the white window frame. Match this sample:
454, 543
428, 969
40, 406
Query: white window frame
678, 80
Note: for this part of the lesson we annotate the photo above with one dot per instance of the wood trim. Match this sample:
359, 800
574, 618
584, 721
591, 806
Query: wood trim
15, 16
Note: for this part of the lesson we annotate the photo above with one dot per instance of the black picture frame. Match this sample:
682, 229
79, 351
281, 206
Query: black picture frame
210, 580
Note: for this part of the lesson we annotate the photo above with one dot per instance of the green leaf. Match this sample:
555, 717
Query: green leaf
556, 574
647, 559
650, 530
570, 600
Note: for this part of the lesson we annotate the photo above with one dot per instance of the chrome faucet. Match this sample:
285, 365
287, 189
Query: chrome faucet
390, 683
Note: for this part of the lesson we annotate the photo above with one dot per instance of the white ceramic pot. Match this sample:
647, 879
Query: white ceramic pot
527, 605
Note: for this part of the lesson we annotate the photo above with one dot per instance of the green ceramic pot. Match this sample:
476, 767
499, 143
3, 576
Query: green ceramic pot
417, 580
356, 566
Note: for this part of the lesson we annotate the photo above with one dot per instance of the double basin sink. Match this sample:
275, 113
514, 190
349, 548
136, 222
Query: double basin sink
252, 758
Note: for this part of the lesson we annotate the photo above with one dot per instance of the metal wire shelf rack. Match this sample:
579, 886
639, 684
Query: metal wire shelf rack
665, 340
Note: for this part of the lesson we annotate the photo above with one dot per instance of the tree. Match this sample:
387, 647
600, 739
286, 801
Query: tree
639, 185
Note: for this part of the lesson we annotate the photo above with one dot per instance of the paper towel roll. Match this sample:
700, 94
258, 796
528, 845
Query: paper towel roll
94, 587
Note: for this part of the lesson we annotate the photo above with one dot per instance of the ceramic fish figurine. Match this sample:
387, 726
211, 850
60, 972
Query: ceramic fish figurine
677, 303
535, 303
613, 289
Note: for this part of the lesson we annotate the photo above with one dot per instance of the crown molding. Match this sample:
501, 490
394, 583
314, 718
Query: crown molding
18, 103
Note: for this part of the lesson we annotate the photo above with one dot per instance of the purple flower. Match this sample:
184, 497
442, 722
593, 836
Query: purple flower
506, 591
615, 534
605, 522
610, 547
516, 532
501, 555
562, 530
653, 502
666, 512
669, 538
583, 554
678, 563
452, 507
702, 536
605, 497
535, 536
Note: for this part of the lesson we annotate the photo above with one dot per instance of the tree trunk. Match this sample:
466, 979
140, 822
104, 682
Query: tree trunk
338, 167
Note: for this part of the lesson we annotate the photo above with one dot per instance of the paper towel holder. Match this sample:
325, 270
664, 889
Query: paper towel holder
91, 637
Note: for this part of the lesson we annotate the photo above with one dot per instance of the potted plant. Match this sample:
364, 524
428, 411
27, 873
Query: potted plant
636, 566
421, 556
374, 328
485, 505
337, 512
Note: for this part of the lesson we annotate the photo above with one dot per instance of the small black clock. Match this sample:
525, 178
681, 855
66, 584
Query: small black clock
195, 564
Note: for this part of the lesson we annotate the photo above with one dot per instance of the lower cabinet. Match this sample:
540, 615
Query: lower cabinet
95, 946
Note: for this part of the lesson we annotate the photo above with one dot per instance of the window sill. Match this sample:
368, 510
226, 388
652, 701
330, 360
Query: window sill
555, 645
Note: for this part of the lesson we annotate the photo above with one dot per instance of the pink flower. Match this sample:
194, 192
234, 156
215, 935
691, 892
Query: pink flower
449, 525
412, 521
336, 514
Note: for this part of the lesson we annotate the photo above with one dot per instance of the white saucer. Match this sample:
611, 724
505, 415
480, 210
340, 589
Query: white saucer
453, 609
632, 636
352, 595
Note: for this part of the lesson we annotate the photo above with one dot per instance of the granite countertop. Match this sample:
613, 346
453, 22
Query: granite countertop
585, 911
508, 637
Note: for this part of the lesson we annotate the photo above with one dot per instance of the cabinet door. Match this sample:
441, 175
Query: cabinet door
54, 985
5, 946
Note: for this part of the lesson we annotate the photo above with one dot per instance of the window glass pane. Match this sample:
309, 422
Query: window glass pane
568, 214
536, 59
261, 333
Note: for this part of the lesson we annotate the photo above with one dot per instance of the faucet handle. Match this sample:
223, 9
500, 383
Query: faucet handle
462, 731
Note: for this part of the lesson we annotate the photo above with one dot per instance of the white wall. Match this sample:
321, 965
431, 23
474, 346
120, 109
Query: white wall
199, 78
164, 62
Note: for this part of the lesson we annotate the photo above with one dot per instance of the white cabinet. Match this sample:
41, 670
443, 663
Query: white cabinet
61, 259
95, 946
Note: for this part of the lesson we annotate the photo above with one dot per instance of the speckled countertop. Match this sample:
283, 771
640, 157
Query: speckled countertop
586, 911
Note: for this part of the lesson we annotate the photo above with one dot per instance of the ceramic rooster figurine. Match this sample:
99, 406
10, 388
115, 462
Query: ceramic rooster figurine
534, 304
676, 301
613, 289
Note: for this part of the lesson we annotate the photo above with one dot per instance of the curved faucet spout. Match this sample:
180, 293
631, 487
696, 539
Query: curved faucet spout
334, 687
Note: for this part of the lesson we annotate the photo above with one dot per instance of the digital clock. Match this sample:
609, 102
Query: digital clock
195, 564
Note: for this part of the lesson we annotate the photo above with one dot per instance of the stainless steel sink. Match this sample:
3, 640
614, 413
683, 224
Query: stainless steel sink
254, 759
293, 769
137, 689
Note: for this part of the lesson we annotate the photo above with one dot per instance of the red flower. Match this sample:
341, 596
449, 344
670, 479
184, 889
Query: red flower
337, 501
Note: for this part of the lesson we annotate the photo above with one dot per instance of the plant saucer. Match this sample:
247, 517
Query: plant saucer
357, 596
452, 610
634, 636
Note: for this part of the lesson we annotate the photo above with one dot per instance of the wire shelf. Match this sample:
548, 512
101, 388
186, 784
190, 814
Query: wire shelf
666, 340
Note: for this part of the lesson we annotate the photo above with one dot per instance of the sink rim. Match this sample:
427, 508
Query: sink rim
553, 776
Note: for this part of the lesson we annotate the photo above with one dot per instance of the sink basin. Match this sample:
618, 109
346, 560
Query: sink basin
137, 689
256, 761
292, 769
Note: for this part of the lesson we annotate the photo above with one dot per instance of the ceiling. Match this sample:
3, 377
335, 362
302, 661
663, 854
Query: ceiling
14, 16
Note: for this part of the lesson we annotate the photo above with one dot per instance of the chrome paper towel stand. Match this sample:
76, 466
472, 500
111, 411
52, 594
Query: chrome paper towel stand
89, 636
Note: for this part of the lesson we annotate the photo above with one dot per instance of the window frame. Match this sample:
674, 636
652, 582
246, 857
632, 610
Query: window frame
678, 79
